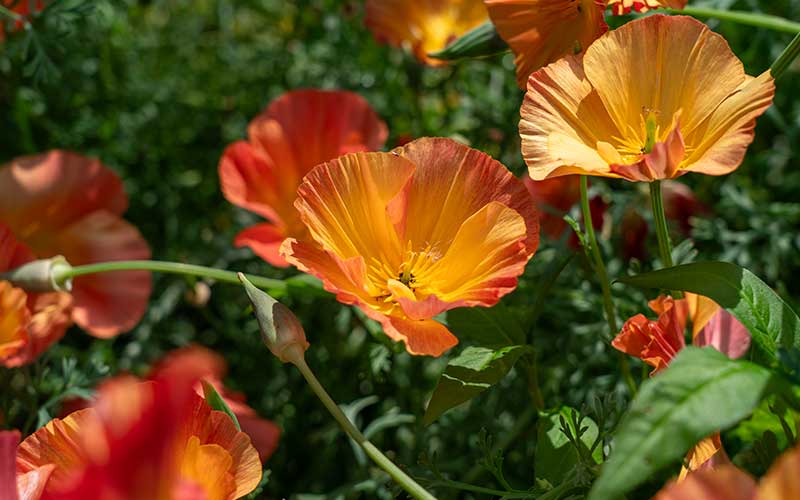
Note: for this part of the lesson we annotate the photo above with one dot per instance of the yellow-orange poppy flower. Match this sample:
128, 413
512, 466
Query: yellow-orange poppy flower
423, 26
406, 235
655, 99
297, 132
24, 486
62, 203
620, 7
155, 440
543, 31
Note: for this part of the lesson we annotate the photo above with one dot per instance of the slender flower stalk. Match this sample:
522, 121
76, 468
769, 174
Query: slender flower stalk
64, 274
662, 232
787, 57
756, 19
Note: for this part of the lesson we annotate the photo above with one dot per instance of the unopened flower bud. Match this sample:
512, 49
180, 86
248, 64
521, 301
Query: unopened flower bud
281, 331
40, 276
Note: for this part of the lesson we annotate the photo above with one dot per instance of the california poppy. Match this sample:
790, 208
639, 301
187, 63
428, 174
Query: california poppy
657, 98
406, 235
25, 486
620, 7
298, 131
423, 26
543, 31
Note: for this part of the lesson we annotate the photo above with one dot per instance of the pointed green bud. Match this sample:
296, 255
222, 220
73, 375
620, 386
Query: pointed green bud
40, 276
281, 331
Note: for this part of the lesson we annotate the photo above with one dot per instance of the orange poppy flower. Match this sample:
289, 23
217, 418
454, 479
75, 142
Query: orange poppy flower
13, 486
155, 440
543, 31
423, 26
657, 98
62, 203
263, 433
298, 131
620, 7
406, 235
731, 483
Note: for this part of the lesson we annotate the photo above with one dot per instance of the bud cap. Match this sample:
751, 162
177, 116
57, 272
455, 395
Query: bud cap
40, 276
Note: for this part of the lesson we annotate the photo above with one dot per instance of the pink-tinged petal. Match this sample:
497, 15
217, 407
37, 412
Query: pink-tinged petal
724, 483
662, 163
726, 334
40, 195
8, 470
265, 241
106, 304
422, 337
701, 310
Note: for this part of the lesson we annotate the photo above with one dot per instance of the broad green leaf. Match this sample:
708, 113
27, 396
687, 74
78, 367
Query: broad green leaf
478, 42
489, 327
701, 392
771, 321
472, 372
556, 456
216, 402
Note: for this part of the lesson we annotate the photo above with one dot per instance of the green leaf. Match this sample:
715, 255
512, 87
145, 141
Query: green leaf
490, 327
701, 392
479, 42
771, 321
472, 372
556, 456
216, 402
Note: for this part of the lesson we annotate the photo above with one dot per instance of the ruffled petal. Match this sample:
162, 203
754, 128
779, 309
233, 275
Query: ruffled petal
51, 315
31, 485
265, 241
14, 319
422, 337
724, 483
423, 26
542, 31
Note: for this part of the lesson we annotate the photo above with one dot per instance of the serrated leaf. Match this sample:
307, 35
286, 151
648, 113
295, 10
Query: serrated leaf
479, 42
216, 402
472, 372
556, 456
771, 321
489, 327
701, 392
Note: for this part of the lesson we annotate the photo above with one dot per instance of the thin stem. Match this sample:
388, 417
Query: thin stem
458, 485
62, 275
786, 58
10, 13
403, 479
662, 232
756, 19
599, 265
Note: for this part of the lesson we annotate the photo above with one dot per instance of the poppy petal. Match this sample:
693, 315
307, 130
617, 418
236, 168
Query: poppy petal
724, 483
14, 319
422, 337
782, 480
8, 470
726, 334
265, 241
249, 179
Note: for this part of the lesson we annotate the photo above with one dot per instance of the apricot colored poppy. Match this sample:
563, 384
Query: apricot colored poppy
423, 26
657, 98
155, 440
540, 32
620, 7
62, 203
406, 235
13, 486
263, 433
298, 131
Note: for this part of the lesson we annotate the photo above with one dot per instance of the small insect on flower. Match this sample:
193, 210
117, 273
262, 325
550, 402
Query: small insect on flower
655, 99
297, 131
407, 235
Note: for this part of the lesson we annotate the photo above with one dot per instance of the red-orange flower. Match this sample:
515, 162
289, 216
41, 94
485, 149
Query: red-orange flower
62, 203
298, 131
21, 8
406, 235
543, 31
657, 98
212, 367
423, 26
13, 486
620, 7
155, 440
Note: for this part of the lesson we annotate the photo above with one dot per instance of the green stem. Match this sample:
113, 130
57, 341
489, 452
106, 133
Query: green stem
62, 275
662, 232
756, 19
786, 58
403, 479
10, 13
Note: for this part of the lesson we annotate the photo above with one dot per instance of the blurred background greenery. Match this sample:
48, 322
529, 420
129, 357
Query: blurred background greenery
157, 89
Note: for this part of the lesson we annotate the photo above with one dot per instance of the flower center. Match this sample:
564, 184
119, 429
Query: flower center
407, 279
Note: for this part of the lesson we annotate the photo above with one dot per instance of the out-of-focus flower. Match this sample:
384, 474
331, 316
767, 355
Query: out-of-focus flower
423, 26
155, 440
620, 7
21, 8
298, 131
13, 486
731, 483
657, 98
212, 367
406, 235
62, 203
543, 31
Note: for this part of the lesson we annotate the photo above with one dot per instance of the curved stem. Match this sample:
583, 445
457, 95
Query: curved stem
786, 58
599, 265
62, 275
756, 19
403, 479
